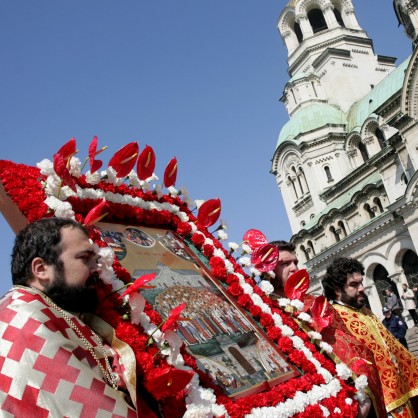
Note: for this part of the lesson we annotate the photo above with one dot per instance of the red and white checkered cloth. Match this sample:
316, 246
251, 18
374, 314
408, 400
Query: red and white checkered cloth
45, 369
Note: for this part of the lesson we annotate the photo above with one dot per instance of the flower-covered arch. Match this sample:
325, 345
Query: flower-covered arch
128, 192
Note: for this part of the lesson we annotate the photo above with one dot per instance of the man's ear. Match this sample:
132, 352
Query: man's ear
41, 273
338, 292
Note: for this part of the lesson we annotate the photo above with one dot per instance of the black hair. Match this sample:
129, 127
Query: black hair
284, 246
337, 273
38, 239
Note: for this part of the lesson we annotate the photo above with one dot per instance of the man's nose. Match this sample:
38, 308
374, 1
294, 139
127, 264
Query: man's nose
294, 267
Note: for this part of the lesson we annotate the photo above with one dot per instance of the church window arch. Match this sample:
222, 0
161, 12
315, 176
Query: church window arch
317, 20
369, 210
410, 267
341, 228
310, 247
363, 151
328, 174
382, 282
298, 32
302, 179
378, 204
334, 233
305, 252
380, 138
404, 179
338, 17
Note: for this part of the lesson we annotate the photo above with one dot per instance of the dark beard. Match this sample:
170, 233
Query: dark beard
80, 299
354, 302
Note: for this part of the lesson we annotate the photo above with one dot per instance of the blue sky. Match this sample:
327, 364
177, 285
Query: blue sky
198, 80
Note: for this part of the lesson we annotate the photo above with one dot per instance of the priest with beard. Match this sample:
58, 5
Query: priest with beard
361, 342
56, 357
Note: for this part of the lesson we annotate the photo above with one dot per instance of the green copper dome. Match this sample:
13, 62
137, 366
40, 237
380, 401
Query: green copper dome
310, 118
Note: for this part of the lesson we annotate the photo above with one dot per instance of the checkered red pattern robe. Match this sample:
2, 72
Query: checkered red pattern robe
45, 368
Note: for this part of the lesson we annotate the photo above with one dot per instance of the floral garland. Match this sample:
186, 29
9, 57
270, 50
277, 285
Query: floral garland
324, 389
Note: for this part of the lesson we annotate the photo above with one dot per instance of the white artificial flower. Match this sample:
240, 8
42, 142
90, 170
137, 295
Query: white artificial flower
158, 190
199, 203
286, 331
137, 304
337, 410
283, 302
348, 401
266, 287
271, 274
343, 371
224, 225
233, 246
313, 335
303, 316
298, 343
218, 253
325, 411
93, 178
247, 288
246, 249
46, 167
172, 191
61, 209
245, 261
134, 179
325, 346
255, 272
222, 235
297, 304
112, 177
75, 167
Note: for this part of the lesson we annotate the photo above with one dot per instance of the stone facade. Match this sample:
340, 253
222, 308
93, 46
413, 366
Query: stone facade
346, 162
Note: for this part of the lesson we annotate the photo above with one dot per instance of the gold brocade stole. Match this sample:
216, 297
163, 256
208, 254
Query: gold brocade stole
125, 352
397, 368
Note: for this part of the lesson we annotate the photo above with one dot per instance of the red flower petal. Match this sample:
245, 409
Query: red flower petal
95, 214
321, 313
171, 321
297, 285
61, 169
254, 238
265, 257
170, 173
124, 159
167, 382
209, 212
139, 283
94, 164
146, 163
68, 150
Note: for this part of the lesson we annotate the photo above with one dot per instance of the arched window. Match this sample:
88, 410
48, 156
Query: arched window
298, 32
378, 204
380, 137
310, 247
410, 267
335, 233
305, 252
382, 282
317, 20
338, 17
328, 174
341, 227
363, 151
369, 210
404, 179
302, 179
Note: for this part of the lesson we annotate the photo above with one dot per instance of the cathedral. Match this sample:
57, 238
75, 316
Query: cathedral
346, 162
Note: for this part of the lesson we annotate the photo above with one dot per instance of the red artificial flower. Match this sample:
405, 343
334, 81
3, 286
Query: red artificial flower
169, 381
146, 163
94, 164
254, 238
171, 321
297, 285
68, 150
265, 257
95, 215
184, 228
124, 159
321, 313
63, 173
170, 173
139, 283
209, 212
